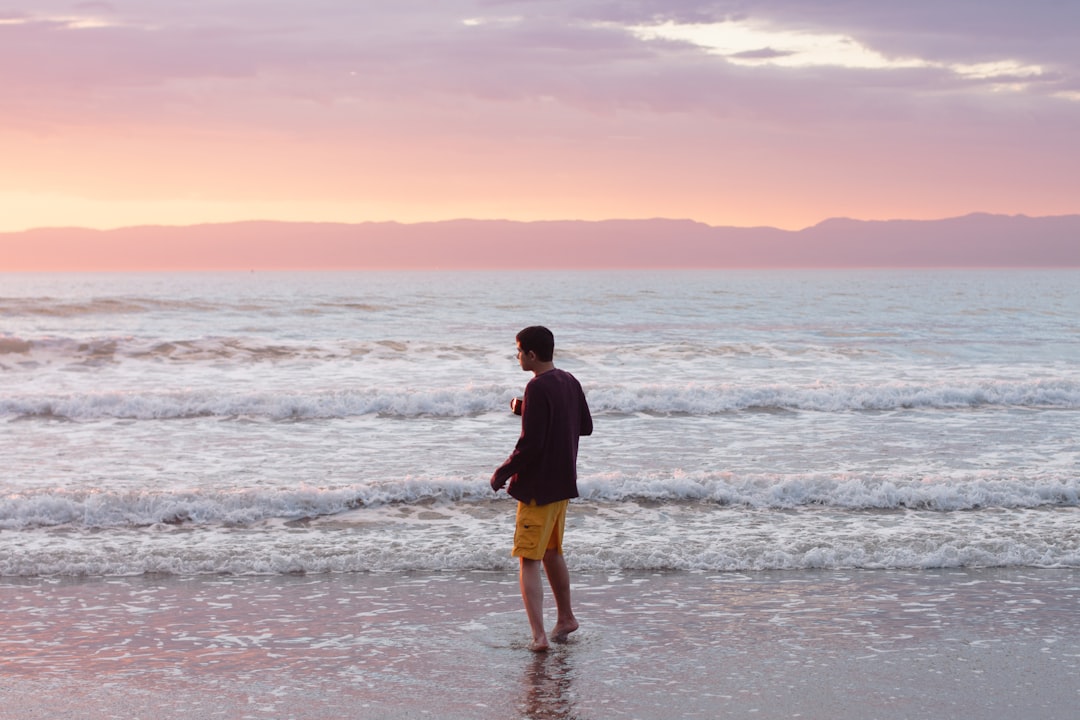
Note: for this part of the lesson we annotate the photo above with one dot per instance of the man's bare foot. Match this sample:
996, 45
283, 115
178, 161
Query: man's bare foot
561, 632
539, 646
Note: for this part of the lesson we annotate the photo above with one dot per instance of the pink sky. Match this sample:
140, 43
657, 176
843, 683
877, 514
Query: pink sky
780, 113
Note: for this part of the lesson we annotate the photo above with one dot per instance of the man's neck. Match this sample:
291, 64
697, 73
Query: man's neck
543, 368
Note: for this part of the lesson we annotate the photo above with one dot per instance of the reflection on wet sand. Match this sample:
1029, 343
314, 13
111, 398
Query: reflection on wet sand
546, 692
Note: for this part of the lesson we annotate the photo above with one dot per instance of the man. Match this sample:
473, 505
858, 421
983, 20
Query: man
542, 472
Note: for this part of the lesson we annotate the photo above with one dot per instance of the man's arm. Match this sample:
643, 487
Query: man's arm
586, 416
530, 444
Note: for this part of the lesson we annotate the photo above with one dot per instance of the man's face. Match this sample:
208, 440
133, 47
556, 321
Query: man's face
526, 359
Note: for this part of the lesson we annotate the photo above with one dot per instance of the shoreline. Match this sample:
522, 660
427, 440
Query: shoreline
858, 644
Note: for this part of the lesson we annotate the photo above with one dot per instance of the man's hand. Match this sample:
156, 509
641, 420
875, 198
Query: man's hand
515, 406
496, 483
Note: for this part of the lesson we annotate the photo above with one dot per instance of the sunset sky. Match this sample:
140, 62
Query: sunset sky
779, 113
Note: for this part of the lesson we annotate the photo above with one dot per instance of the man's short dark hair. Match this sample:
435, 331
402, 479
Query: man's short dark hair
537, 339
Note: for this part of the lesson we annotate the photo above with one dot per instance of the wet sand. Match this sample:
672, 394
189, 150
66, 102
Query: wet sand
862, 645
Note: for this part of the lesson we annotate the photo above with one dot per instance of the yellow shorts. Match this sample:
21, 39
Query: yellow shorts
539, 529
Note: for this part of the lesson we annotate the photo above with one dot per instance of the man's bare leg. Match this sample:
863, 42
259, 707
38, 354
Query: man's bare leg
532, 592
559, 579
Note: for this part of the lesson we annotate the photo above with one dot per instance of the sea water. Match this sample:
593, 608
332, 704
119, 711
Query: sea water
270, 423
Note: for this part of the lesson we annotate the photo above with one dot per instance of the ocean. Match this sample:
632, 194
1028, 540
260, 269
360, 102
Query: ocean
346, 422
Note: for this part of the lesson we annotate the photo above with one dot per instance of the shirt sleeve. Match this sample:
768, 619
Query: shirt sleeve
586, 416
535, 416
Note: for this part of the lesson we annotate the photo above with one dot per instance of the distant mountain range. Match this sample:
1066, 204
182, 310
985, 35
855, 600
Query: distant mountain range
978, 240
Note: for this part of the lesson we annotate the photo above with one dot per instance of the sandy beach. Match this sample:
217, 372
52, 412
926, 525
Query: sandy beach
993, 643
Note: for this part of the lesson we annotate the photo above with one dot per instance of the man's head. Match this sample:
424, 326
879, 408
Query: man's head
536, 346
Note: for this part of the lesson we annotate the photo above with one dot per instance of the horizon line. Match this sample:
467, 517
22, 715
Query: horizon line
462, 219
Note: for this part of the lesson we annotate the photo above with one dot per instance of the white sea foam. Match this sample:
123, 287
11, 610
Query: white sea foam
103, 509
36, 352
619, 494
701, 399
58, 349
444, 537
284, 405
691, 399
957, 491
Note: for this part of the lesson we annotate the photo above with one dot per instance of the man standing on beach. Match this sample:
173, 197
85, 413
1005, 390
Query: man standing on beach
542, 472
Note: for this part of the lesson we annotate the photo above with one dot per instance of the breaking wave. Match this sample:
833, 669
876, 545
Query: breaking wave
108, 509
469, 400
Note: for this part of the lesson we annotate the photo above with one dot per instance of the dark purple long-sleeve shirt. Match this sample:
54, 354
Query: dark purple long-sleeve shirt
554, 415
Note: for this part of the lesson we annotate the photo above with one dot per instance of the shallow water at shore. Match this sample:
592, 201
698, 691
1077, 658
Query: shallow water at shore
992, 643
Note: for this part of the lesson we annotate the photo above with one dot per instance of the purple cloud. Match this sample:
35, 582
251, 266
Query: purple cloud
335, 60
518, 50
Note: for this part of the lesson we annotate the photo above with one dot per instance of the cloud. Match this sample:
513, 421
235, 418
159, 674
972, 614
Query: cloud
565, 102
95, 7
746, 42
597, 56
465, 69
957, 31
765, 53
